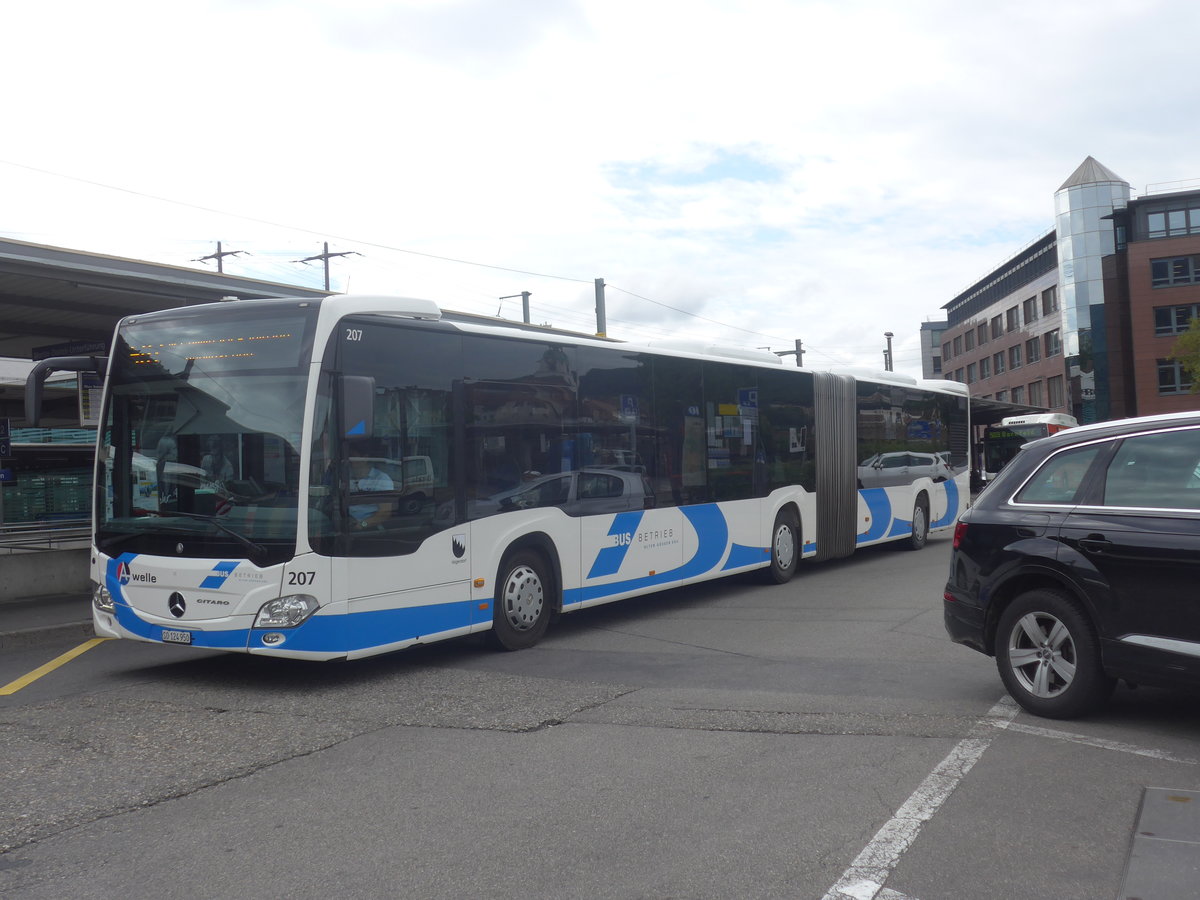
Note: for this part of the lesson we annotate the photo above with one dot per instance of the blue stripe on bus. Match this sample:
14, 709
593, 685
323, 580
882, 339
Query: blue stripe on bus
320, 634
221, 571
608, 560
740, 555
712, 532
880, 508
376, 628
951, 505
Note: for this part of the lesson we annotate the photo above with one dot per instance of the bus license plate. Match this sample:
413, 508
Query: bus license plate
177, 637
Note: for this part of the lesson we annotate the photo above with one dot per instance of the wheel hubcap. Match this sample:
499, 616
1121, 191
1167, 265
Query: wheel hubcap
785, 547
1041, 653
523, 598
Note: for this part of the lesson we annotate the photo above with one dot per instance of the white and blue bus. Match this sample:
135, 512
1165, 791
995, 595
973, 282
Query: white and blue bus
336, 478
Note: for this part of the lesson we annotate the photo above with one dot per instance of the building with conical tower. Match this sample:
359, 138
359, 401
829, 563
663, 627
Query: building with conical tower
1083, 226
1082, 320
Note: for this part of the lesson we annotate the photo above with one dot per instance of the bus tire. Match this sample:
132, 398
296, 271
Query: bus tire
524, 601
920, 525
785, 548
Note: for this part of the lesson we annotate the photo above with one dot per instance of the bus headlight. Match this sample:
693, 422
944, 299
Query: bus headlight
286, 612
101, 598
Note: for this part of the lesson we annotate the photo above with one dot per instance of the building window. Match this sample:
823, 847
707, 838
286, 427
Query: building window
985, 368
997, 327
1035, 393
981, 334
1012, 319
1018, 394
1176, 270
937, 365
972, 375
946, 354
1029, 308
1173, 222
1050, 300
958, 345
1033, 350
998, 363
1014, 356
958, 376
1054, 388
1171, 377
1002, 396
1174, 319
1051, 343
969, 341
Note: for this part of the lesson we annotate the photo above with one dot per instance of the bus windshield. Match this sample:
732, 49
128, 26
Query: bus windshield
1001, 443
200, 449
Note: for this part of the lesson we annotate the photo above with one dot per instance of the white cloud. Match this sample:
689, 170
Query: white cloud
819, 170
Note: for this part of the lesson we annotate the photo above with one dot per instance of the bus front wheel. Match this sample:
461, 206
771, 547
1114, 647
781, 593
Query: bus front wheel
524, 601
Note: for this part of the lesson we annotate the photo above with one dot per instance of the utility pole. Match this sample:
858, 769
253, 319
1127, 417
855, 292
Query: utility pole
887, 354
325, 257
601, 326
798, 352
524, 295
219, 256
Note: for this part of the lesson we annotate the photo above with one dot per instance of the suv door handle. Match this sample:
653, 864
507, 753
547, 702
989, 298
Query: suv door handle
1095, 543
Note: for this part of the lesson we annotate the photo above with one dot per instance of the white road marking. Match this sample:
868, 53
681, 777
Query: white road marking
1100, 742
865, 878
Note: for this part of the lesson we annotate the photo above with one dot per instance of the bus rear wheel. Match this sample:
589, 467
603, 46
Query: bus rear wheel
920, 525
785, 548
523, 603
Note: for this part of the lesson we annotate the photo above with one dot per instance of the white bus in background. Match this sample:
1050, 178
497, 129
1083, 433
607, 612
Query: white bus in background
392, 475
1001, 442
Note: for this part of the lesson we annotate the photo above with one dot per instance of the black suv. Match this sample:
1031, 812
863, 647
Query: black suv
1080, 564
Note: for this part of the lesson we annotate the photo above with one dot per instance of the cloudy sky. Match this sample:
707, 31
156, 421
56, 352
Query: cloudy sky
742, 171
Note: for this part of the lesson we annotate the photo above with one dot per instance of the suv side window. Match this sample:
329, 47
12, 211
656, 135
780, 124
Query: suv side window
1155, 471
1058, 481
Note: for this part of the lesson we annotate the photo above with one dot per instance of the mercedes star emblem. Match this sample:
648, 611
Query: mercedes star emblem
176, 604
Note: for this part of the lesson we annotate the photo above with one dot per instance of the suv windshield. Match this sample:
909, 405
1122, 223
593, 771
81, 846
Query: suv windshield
200, 450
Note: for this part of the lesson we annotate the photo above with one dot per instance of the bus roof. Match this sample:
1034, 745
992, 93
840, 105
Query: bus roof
1042, 419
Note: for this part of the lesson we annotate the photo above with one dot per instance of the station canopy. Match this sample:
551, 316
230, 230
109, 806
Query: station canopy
60, 302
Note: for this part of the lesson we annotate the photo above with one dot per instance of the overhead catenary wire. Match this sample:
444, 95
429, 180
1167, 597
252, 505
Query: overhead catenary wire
419, 253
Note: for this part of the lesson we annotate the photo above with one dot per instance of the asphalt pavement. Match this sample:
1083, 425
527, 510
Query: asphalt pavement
1163, 860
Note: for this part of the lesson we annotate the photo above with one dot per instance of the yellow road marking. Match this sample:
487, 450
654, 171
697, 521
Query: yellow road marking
25, 680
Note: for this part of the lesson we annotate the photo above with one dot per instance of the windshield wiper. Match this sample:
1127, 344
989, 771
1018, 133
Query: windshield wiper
256, 549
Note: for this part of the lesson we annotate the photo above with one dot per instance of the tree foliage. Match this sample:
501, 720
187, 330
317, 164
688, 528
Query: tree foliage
1187, 351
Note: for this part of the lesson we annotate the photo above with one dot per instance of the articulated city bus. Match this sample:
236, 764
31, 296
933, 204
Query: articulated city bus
342, 477
1001, 442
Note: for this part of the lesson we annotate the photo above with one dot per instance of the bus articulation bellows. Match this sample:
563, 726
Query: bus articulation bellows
342, 477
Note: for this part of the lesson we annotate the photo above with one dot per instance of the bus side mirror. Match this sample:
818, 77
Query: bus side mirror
36, 379
358, 406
